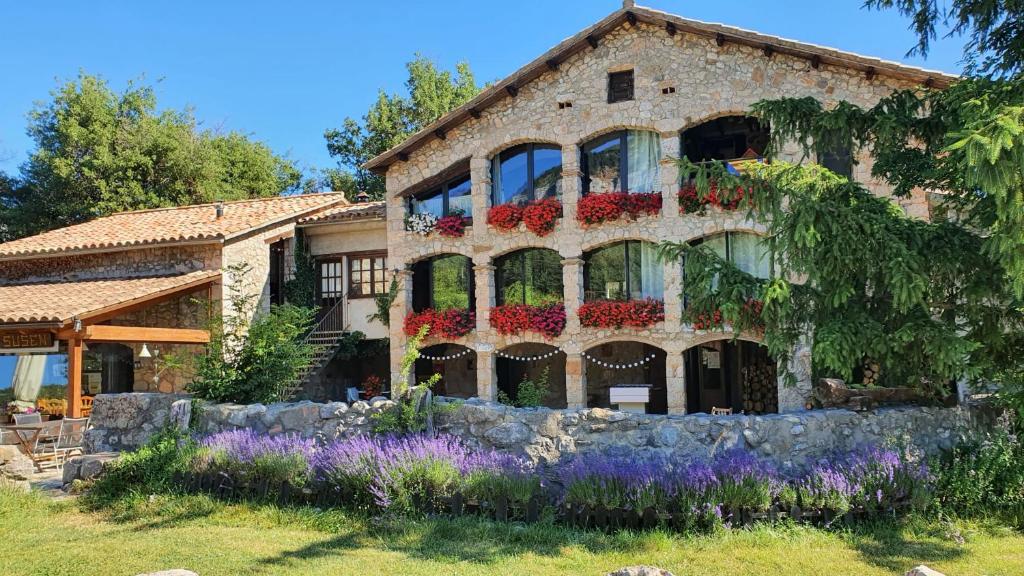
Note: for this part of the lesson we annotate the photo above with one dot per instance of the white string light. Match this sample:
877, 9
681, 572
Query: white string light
448, 357
625, 366
528, 358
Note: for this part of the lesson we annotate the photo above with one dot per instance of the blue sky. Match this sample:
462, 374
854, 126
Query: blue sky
286, 71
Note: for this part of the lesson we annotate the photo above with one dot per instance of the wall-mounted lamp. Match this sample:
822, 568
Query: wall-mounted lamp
144, 353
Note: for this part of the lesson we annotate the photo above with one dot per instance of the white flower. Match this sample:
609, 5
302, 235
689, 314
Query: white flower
422, 224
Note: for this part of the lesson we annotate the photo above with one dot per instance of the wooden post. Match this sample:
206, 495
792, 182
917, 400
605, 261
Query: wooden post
75, 377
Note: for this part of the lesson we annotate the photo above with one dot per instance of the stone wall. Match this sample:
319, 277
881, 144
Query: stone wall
127, 421
113, 264
548, 436
710, 81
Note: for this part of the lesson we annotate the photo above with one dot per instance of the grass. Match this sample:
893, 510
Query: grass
44, 537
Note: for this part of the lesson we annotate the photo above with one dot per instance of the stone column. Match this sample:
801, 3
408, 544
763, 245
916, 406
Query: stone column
675, 381
483, 275
572, 188
486, 376
396, 319
673, 296
572, 280
480, 181
669, 173
794, 398
575, 383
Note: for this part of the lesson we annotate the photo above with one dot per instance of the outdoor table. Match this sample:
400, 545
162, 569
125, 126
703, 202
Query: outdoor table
28, 441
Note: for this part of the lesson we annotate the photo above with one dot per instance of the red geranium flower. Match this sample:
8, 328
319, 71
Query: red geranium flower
619, 313
505, 217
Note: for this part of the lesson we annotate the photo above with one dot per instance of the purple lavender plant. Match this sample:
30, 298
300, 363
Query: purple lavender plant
279, 458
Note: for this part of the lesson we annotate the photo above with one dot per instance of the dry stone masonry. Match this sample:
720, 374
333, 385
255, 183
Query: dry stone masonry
549, 436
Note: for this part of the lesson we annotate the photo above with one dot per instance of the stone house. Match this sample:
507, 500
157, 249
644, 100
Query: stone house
610, 109
119, 294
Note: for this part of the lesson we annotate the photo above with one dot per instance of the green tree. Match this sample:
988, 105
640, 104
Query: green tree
393, 118
98, 152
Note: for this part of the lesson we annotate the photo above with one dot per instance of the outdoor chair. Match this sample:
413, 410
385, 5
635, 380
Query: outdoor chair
69, 439
34, 418
715, 411
86, 406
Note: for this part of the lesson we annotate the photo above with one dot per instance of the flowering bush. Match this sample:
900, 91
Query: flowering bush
373, 386
707, 320
453, 226
422, 224
392, 472
283, 458
453, 323
619, 313
691, 202
598, 208
548, 320
541, 216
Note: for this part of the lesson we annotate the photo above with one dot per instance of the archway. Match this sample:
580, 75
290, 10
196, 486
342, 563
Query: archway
530, 361
625, 363
737, 375
455, 363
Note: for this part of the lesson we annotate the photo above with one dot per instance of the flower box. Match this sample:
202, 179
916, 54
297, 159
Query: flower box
453, 323
548, 320
611, 206
691, 202
619, 313
540, 216
451, 226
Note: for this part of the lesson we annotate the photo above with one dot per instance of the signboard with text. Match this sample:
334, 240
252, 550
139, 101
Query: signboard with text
26, 342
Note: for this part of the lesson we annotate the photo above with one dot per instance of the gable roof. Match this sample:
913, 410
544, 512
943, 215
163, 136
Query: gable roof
590, 37
194, 223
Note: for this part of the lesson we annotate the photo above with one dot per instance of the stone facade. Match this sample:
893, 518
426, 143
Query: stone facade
709, 82
549, 436
113, 264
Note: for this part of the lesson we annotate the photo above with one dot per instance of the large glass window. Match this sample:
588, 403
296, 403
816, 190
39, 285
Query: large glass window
525, 173
366, 275
625, 161
726, 138
623, 271
532, 276
838, 160
443, 283
451, 198
743, 249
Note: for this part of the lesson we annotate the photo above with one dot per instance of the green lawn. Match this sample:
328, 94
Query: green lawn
43, 537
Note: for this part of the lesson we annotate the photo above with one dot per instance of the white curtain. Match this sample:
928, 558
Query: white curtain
652, 272
28, 377
644, 153
749, 254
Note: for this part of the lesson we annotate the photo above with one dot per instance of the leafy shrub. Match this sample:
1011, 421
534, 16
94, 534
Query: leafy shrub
151, 468
983, 475
245, 453
529, 393
250, 361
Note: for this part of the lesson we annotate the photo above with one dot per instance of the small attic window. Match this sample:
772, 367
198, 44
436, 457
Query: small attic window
620, 86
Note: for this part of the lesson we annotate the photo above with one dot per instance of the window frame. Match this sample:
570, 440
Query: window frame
428, 267
531, 176
372, 256
520, 255
627, 290
587, 147
632, 85
444, 190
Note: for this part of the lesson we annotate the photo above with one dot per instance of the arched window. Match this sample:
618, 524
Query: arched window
443, 283
525, 173
627, 270
452, 197
624, 161
725, 138
532, 276
745, 250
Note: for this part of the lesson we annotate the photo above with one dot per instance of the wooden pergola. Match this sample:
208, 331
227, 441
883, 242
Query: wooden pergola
79, 325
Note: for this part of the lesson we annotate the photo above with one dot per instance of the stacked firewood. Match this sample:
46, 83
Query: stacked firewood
760, 389
872, 372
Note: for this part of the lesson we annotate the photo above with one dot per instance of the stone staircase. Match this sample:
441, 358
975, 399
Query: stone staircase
324, 338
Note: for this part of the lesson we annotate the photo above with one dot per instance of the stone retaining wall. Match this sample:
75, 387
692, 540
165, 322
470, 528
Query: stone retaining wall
547, 436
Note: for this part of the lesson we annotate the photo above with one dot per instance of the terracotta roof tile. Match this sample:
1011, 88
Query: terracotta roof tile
165, 225
346, 212
47, 302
